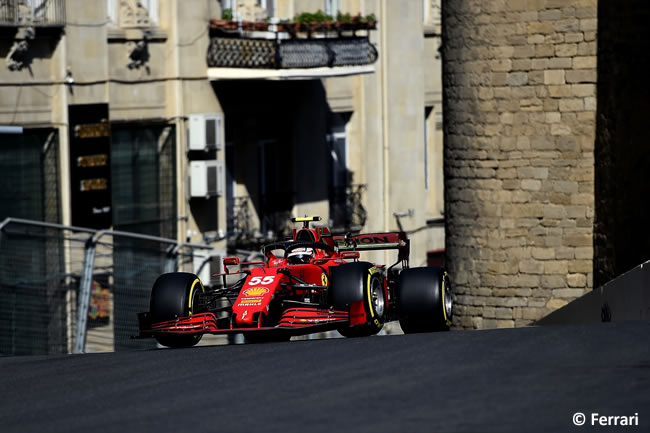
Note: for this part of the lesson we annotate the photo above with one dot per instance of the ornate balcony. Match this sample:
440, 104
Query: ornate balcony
260, 50
32, 13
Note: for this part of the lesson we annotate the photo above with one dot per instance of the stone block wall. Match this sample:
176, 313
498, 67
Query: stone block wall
519, 89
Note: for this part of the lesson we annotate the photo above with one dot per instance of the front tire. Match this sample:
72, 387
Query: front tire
354, 282
173, 295
425, 300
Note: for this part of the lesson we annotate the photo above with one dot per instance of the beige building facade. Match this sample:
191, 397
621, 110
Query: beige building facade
146, 68
362, 147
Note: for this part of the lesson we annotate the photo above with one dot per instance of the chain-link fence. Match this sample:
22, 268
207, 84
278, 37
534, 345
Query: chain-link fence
68, 289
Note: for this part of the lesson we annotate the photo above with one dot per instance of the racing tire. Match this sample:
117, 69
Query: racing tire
174, 295
425, 301
354, 282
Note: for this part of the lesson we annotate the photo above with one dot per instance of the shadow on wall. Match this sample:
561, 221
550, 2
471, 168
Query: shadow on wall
18, 49
277, 144
622, 178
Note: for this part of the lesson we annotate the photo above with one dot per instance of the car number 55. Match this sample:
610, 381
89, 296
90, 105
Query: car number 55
260, 280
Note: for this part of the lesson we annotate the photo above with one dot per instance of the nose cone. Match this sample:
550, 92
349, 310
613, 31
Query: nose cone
245, 318
250, 301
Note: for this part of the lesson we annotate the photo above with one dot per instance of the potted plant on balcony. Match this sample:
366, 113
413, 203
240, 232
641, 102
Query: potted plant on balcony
356, 22
306, 22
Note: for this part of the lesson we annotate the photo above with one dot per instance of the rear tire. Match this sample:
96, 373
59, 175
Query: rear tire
354, 282
173, 295
425, 300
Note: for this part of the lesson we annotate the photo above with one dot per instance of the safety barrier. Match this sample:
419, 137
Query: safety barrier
625, 298
66, 289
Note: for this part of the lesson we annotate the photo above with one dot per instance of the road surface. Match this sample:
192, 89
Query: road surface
512, 380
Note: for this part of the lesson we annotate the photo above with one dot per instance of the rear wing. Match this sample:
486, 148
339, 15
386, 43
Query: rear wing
375, 241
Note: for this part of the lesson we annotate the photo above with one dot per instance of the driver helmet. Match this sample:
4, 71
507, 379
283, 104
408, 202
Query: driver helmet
300, 255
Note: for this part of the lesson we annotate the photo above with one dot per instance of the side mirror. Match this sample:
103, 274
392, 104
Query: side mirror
230, 261
350, 255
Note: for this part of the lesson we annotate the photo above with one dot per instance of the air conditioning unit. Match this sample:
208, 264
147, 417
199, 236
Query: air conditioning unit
206, 178
205, 131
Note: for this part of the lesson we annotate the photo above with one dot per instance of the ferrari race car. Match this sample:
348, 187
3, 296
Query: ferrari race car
313, 282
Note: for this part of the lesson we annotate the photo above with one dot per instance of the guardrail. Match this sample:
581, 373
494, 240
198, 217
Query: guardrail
626, 297
66, 289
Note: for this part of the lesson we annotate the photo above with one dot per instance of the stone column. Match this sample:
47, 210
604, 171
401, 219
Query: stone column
519, 89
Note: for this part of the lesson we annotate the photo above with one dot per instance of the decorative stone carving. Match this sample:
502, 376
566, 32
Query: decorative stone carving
249, 10
432, 15
133, 14
23, 14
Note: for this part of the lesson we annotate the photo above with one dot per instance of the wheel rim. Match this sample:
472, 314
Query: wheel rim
449, 302
377, 297
194, 302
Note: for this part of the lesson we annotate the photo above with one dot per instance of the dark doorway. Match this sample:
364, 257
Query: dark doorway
622, 180
277, 153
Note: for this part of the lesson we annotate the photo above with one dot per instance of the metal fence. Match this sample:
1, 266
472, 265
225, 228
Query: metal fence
347, 212
67, 289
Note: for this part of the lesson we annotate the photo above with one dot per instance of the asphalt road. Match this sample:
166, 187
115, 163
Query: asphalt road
515, 380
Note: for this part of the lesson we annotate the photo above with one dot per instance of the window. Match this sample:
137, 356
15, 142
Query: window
143, 176
152, 7
228, 4
332, 7
31, 260
249, 10
269, 5
29, 175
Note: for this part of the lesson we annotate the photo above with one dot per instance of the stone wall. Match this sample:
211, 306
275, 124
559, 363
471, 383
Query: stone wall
519, 83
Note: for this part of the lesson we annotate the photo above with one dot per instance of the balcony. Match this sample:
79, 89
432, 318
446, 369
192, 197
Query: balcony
290, 50
32, 13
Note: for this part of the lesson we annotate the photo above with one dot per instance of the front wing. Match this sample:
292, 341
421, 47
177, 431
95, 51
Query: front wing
294, 321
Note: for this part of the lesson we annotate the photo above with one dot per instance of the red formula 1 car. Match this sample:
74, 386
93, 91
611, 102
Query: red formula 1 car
314, 282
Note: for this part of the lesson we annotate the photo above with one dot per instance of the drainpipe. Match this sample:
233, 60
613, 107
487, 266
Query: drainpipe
384, 115
181, 163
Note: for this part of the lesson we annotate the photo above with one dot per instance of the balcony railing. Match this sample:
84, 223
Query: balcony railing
347, 214
346, 208
240, 222
32, 13
246, 233
285, 46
